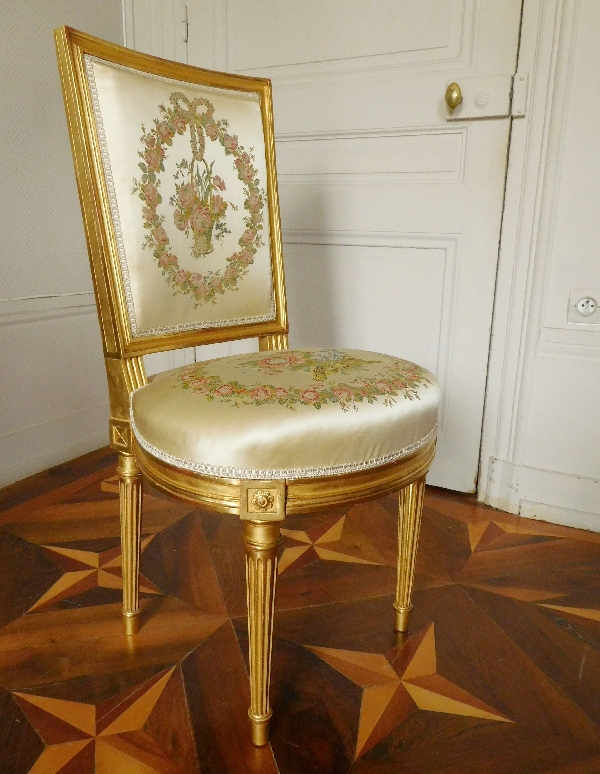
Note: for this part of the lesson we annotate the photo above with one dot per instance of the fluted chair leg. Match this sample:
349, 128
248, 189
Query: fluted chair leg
261, 541
130, 498
409, 524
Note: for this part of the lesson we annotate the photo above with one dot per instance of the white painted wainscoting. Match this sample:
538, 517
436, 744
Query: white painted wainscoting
53, 395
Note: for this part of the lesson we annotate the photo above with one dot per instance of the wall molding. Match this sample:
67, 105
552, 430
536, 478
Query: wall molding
37, 308
47, 444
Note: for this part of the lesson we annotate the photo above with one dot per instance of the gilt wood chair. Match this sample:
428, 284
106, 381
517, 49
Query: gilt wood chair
175, 168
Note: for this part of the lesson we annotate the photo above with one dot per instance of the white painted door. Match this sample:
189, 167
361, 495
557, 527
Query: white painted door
391, 213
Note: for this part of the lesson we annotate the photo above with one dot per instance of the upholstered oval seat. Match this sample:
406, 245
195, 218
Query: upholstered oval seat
287, 414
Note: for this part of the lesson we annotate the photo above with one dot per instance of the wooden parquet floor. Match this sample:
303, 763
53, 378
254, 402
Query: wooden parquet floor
499, 674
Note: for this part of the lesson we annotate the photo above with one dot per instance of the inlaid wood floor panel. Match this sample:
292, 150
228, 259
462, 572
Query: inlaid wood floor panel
499, 673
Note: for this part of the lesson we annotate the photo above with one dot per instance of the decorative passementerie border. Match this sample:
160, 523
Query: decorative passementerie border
114, 207
289, 474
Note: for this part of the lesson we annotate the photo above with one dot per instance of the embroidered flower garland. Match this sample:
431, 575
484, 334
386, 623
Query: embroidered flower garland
199, 208
400, 378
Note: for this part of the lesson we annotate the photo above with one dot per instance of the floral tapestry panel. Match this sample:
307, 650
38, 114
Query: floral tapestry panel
186, 175
306, 378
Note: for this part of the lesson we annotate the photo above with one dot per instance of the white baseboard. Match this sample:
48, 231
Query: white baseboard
565, 516
549, 495
43, 446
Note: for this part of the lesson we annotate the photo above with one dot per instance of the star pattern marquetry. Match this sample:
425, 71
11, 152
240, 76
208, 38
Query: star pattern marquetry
491, 535
396, 683
85, 570
330, 541
513, 655
109, 737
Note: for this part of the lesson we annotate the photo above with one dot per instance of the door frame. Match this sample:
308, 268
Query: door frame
533, 177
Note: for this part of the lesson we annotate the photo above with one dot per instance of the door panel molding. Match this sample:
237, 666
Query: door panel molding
287, 58
377, 245
403, 155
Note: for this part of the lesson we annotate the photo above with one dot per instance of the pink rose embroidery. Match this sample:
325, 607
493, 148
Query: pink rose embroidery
253, 202
200, 219
179, 125
211, 130
383, 386
343, 393
150, 140
225, 389
153, 157
248, 236
186, 195
260, 393
278, 361
199, 385
217, 204
164, 131
309, 395
148, 214
167, 260
245, 257
150, 193
160, 235
218, 183
280, 393
181, 275
248, 174
180, 222
230, 143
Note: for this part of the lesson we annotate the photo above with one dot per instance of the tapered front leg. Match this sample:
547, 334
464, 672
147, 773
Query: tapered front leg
261, 541
130, 499
409, 524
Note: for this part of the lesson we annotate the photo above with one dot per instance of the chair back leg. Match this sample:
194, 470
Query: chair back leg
130, 502
410, 510
261, 542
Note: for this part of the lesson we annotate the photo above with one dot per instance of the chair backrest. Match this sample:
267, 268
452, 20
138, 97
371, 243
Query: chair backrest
175, 167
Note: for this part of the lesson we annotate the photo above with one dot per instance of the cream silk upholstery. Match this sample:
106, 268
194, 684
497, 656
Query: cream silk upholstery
287, 414
185, 170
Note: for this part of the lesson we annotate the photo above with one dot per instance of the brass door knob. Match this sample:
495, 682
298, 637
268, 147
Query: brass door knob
453, 96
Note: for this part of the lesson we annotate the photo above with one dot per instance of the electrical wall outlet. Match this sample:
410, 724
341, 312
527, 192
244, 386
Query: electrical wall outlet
584, 306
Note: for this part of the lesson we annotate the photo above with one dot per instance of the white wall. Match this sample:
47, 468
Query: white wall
53, 397
541, 443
